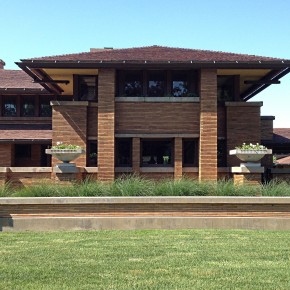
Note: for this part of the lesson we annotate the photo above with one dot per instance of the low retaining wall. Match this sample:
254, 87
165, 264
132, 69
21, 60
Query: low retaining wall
83, 213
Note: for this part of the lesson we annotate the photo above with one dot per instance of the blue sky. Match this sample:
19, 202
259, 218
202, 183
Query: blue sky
262, 27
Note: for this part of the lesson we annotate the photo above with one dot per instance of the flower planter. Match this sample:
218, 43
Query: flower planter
250, 155
65, 155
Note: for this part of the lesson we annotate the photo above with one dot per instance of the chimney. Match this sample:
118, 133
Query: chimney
2, 64
100, 49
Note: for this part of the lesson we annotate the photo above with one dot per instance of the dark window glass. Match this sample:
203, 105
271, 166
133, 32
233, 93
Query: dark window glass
22, 151
124, 152
180, 84
190, 152
87, 88
27, 106
93, 154
157, 153
225, 88
133, 84
9, 106
45, 107
156, 84
222, 152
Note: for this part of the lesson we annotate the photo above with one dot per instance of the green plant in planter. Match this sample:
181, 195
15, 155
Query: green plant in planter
61, 145
251, 146
165, 159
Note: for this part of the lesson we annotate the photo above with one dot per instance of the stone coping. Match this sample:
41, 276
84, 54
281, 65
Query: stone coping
28, 169
158, 99
157, 169
244, 104
69, 103
248, 169
145, 200
268, 118
280, 170
156, 135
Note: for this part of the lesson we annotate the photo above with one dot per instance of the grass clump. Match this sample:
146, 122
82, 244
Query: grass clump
135, 185
132, 186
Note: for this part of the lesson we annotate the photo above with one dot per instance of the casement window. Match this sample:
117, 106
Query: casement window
27, 106
45, 107
157, 152
123, 152
190, 152
222, 152
92, 154
225, 88
156, 83
85, 88
22, 151
9, 106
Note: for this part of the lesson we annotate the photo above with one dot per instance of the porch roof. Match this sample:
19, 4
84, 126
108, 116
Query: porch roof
17, 81
24, 133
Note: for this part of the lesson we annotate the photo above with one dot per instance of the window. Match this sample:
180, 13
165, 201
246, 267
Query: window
123, 152
27, 106
87, 88
180, 84
156, 84
222, 152
225, 88
92, 154
132, 84
44, 107
9, 106
157, 152
22, 151
190, 152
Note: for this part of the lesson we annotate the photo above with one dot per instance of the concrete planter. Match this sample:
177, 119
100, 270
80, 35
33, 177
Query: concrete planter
65, 155
250, 155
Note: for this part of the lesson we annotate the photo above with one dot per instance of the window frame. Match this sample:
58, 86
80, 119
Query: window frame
130, 163
196, 152
77, 87
157, 140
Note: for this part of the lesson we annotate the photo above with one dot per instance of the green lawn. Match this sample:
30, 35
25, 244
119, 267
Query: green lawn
177, 259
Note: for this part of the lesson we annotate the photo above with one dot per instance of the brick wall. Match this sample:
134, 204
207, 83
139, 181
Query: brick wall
136, 155
266, 128
106, 125
69, 125
208, 125
6, 155
243, 125
157, 118
92, 121
178, 158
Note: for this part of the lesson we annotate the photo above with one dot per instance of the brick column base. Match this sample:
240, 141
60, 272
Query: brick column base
247, 179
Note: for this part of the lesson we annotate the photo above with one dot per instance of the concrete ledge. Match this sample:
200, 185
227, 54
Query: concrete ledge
69, 103
280, 170
91, 169
134, 223
158, 99
123, 169
144, 200
29, 169
247, 169
244, 104
156, 169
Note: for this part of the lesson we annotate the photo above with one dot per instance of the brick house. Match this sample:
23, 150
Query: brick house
157, 111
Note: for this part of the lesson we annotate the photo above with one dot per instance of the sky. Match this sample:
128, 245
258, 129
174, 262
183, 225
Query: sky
33, 28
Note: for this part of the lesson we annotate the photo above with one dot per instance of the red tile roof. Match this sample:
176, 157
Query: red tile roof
284, 161
156, 53
281, 135
17, 79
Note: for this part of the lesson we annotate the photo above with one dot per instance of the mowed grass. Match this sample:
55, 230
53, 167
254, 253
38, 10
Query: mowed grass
153, 259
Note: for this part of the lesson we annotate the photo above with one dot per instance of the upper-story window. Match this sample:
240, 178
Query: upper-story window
225, 88
27, 106
9, 106
87, 88
133, 84
45, 107
156, 83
